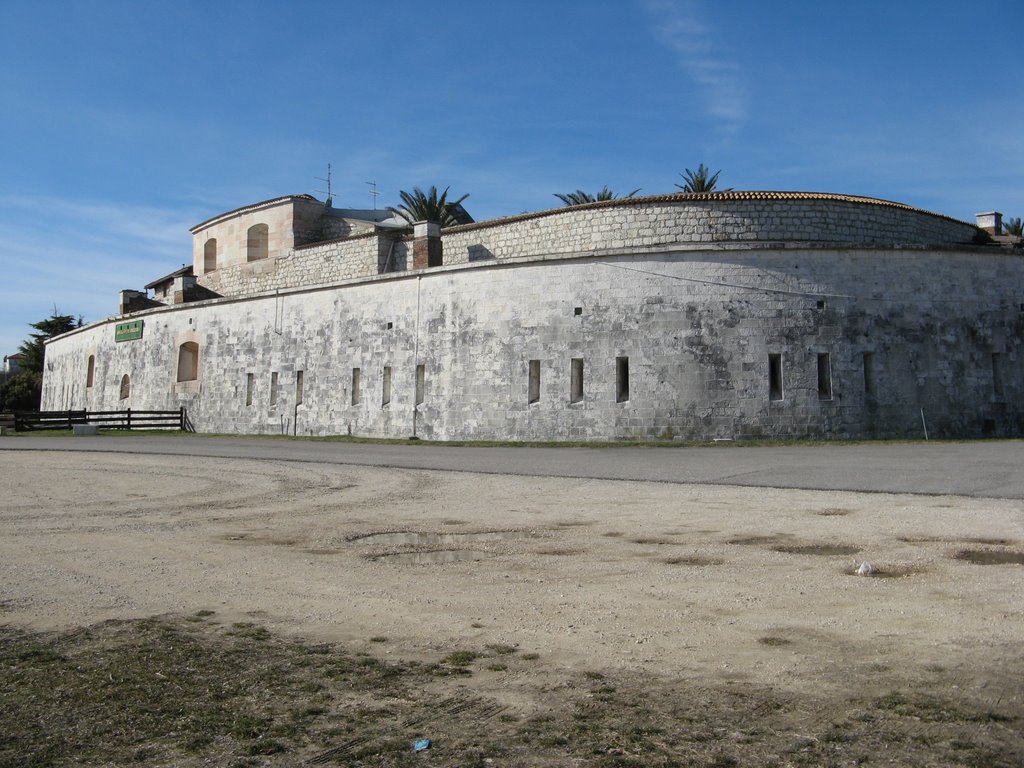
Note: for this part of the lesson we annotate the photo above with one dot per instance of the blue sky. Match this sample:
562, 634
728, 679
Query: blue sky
125, 123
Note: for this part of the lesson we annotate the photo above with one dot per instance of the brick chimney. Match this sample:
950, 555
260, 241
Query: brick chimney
991, 222
426, 245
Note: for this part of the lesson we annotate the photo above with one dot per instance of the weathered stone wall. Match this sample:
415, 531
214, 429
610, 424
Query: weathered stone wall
697, 327
316, 264
231, 234
602, 228
644, 224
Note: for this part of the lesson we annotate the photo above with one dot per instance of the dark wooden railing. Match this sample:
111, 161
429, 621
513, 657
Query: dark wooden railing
126, 419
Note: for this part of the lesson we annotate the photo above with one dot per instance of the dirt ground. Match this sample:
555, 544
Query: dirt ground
706, 585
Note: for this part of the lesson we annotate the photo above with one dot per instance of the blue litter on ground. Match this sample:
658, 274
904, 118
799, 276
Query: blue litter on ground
421, 744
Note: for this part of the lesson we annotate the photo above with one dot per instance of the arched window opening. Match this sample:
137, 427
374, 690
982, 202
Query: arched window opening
257, 242
210, 255
126, 387
188, 361
90, 371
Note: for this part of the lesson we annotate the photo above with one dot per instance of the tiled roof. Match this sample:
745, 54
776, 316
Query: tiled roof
185, 270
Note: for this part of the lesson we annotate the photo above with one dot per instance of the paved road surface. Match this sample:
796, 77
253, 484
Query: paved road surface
993, 469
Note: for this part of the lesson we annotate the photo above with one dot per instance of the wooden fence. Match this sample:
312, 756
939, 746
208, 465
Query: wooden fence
126, 419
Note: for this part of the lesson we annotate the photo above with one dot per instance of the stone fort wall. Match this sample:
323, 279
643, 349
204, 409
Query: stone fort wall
669, 337
694, 220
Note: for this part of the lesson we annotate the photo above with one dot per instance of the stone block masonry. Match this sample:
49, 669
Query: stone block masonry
903, 333
619, 226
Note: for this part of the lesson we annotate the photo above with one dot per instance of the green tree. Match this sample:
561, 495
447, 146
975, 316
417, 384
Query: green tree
1014, 226
22, 392
579, 197
700, 180
33, 349
420, 206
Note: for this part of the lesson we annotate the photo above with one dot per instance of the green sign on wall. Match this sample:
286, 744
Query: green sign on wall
128, 331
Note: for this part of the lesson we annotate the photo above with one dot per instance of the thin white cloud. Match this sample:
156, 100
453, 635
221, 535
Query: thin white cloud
678, 25
76, 255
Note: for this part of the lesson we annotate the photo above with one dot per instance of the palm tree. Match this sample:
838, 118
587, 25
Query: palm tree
1014, 226
700, 180
579, 197
419, 206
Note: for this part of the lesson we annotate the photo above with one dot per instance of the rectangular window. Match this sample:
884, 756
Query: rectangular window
997, 374
298, 387
533, 395
421, 383
357, 392
824, 376
576, 381
621, 379
869, 373
386, 387
250, 383
273, 388
775, 376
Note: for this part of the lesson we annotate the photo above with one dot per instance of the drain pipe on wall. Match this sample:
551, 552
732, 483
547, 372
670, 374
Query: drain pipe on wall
416, 358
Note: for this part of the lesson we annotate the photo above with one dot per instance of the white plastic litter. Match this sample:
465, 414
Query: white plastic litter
865, 569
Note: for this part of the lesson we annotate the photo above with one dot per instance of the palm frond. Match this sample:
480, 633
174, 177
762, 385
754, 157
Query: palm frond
700, 180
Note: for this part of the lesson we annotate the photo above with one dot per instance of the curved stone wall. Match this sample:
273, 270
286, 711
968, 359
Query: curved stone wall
742, 218
715, 342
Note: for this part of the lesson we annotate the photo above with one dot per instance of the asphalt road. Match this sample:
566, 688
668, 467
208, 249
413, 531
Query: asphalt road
991, 469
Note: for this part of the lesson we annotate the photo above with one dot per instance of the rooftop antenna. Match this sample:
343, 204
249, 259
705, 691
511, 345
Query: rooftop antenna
374, 193
330, 197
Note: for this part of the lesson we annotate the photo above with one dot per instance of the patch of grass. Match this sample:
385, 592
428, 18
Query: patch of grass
476, 625
497, 667
825, 549
500, 649
172, 692
378, 639
530, 656
694, 560
460, 658
773, 641
653, 540
146, 691
990, 556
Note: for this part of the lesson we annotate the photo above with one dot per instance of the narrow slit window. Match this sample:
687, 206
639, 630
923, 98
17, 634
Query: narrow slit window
533, 396
250, 383
576, 380
357, 392
997, 374
273, 388
421, 383
869, 373
824, 376
621, 379
90, 372
126, 387
774, 376
298, 387
385, 398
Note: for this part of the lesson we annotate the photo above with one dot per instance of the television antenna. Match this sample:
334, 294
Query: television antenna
374, 193
330, 197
